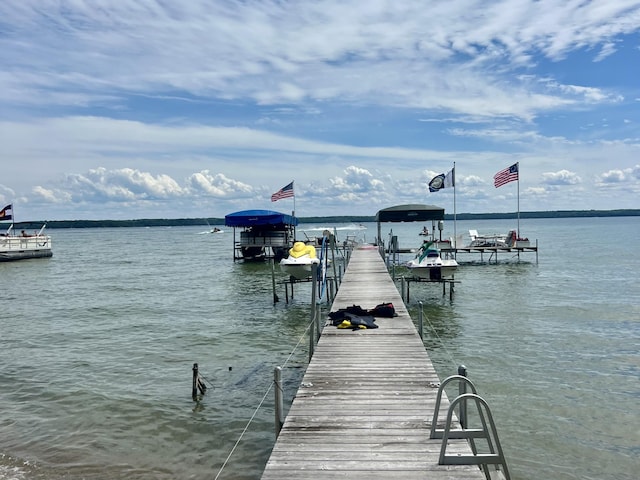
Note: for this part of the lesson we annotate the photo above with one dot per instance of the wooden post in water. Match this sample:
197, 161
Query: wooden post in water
273, 281
420, 322
194, 383
279, 401
197, 384
314, 285
462, 389
312, 333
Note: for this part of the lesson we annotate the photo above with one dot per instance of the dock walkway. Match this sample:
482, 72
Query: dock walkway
365, 404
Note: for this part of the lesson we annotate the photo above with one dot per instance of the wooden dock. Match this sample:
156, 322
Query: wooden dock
366, 402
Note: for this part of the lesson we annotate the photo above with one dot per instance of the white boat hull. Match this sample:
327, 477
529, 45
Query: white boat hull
299, 268
428, 264
21, 248
433, 272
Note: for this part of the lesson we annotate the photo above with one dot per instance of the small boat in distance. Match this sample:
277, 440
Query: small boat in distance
212, 230
429, 264
300, 261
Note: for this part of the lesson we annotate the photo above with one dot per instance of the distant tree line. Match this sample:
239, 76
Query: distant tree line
180, 222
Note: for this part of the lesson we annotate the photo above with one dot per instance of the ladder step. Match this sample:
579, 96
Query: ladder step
479, 459
457, 434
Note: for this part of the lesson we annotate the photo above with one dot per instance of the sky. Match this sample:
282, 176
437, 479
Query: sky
162, 109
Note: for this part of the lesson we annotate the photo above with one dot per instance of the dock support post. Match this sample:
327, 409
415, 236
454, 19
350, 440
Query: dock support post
462, 389
331, 294
273, 282
197, 384
314, 285
279, 401
402, 289
318, 323
420, 322
194, 383
312, 334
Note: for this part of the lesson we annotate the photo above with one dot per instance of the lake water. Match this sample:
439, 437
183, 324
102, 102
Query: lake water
97, 346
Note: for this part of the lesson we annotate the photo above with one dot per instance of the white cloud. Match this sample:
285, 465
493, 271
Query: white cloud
121, 185
620, 175
356, 180
217, 185
459, 56
561, 177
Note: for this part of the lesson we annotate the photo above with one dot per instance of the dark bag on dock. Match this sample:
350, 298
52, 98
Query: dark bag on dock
356, 317
354, 310
383, 310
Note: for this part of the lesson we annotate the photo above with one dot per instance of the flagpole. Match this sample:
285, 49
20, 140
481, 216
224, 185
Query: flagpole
518, 166
294, 199
455, 230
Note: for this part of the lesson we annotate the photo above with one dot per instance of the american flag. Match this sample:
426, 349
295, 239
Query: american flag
284, 192
505, 176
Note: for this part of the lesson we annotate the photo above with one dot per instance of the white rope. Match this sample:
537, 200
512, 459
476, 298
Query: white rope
262, 401
244, 431
435, 332
302, 337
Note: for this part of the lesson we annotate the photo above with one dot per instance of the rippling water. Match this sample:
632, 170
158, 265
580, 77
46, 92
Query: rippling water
98, 343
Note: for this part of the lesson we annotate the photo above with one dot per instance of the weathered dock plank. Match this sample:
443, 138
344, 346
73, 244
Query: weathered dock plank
365, 404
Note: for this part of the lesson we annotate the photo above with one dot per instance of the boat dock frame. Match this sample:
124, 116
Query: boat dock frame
371, 405
393, 253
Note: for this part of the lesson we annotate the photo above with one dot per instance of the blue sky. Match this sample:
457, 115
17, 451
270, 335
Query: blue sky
161, 109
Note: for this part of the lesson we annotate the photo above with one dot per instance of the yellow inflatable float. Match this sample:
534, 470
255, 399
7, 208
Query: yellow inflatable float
300, 249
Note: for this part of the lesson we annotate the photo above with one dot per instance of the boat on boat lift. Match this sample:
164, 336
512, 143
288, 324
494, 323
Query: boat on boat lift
300, 261
429, 263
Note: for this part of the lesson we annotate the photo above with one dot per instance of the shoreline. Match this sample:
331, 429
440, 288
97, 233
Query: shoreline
169, 222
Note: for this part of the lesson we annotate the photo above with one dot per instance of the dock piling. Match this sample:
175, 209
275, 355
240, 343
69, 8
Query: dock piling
197, 383
462, 389
279, 399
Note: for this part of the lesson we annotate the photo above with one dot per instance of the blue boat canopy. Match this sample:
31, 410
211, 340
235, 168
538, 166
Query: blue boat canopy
250, 218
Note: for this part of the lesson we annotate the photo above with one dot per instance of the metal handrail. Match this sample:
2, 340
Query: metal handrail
488, 432
435, 432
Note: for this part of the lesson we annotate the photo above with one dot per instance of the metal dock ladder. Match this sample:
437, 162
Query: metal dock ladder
492, 452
